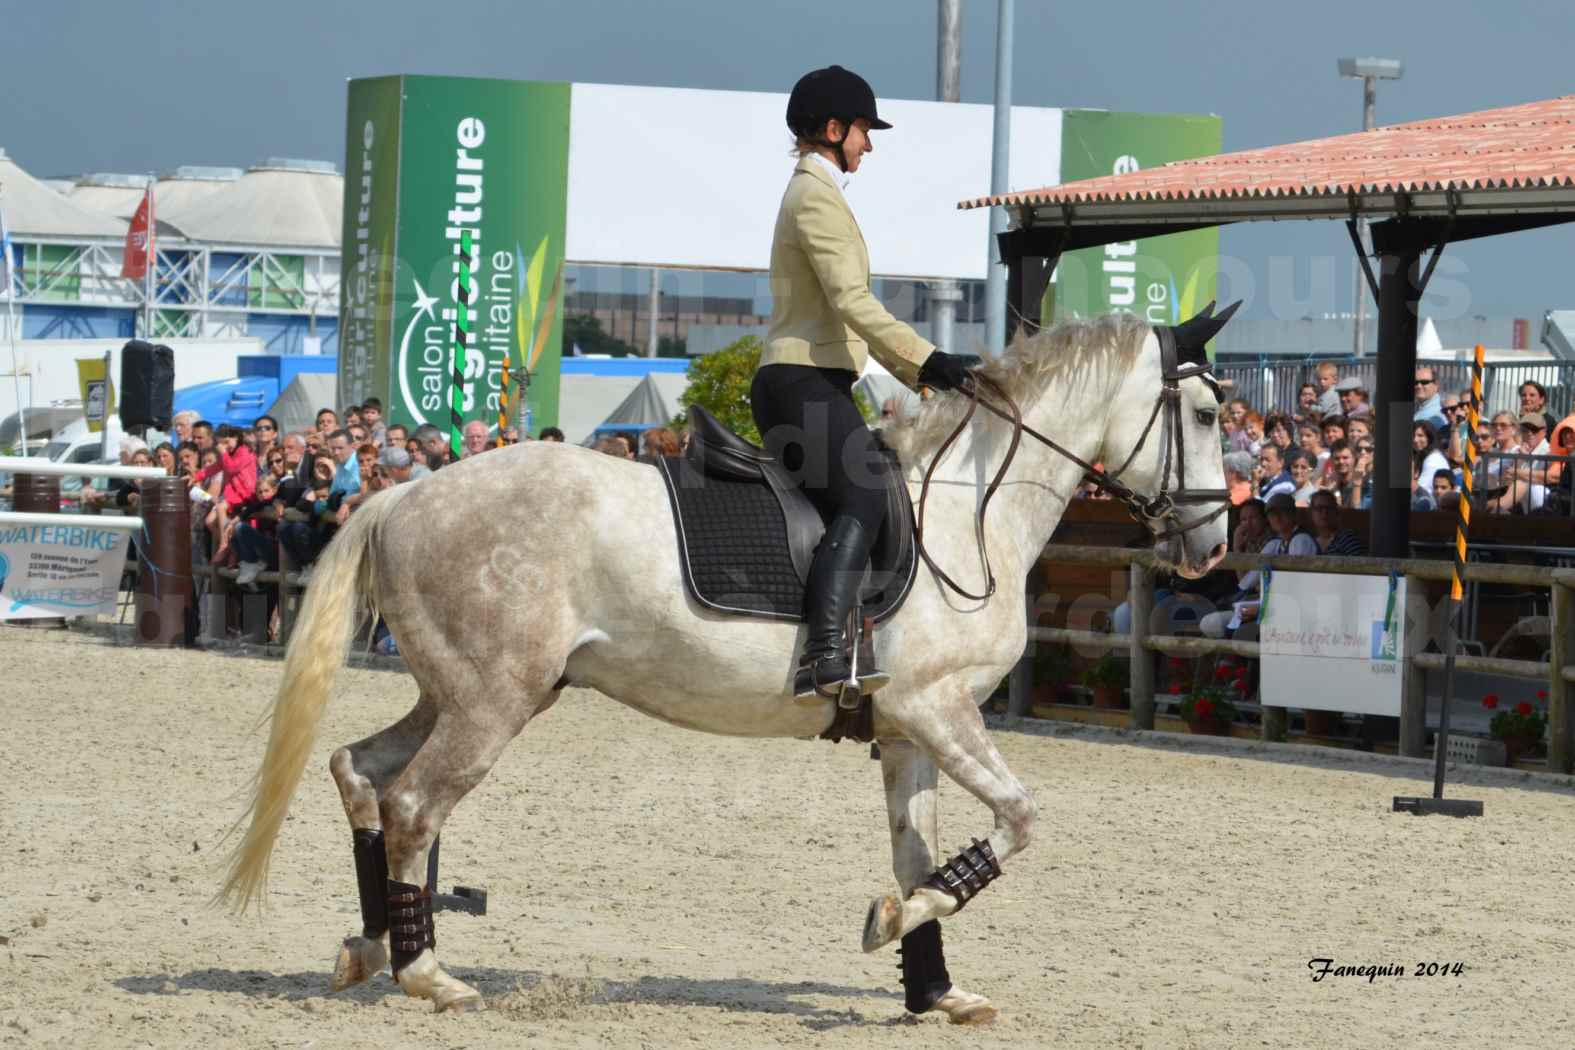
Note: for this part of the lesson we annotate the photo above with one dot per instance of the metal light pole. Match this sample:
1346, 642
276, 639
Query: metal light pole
995, 284
1369, 71
944, 295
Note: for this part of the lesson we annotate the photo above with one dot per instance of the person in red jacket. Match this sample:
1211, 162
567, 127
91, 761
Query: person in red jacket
239, 465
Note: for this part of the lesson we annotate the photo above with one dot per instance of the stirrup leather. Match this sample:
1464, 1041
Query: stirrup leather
967, 873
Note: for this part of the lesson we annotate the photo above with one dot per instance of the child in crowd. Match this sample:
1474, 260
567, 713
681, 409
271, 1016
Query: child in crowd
238, 465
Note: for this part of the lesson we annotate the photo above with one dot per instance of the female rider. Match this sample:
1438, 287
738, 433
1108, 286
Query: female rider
824, 323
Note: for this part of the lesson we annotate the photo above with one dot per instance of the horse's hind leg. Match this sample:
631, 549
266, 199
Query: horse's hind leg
362, 770
945, 723
909, 778
464, 743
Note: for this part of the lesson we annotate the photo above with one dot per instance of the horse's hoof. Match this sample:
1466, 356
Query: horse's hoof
360, 959
982, 1014
468, 1003
883, 923
966, 1008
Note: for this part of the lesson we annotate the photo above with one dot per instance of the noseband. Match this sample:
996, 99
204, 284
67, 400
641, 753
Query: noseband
1159, 513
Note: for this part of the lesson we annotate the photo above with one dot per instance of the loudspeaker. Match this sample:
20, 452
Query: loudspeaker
147, 385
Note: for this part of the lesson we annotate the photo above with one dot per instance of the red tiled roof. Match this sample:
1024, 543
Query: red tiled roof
1517, 147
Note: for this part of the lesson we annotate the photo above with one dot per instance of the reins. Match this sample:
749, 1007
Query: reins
1157, 513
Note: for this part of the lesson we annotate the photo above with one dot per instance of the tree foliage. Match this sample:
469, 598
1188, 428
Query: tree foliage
719, 383
586, 332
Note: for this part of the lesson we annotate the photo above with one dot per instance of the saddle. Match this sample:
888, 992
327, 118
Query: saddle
747, 532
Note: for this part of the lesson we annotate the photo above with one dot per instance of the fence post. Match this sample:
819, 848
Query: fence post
1019, 685
1562, 653
1413, 694
1140, 600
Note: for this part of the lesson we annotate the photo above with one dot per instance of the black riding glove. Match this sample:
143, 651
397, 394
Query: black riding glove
943, 371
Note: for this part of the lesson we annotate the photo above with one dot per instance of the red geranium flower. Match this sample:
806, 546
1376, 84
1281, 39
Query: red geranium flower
1203, 708
1490, 701
1223, 671
1523, 708
1542, 694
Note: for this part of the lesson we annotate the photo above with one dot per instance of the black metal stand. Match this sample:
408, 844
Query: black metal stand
469, 899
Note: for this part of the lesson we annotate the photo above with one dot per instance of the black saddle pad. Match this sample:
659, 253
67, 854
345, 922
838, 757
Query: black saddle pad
734, 549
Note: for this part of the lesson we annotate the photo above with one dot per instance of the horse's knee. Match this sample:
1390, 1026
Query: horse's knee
1018, 817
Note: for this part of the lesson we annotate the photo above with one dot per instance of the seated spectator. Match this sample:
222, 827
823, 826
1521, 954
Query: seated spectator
1424, 450
1252, 428
474, 441
1273, 478
1526, 479
394, 436
256, 537
1286, 538
1328, 377
312, 521
1421, 495
1234, 423
397, 465
1252, 528
435, 444
1326, 530
238, 465
1453, 440
1358, 428
1429, 408
1277, 431
1303, 475
610, 445
1345, 478
372, 419
366, 458
551, 434
1534, 398
511, 435
1333, 430
1307, 405
1443, 484
164, 457
1561, 473
1309, 438
1239, 470
658, 442
327, 422
1353, 396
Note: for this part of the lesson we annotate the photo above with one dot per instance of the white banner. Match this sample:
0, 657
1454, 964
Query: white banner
70, 569
1333, 643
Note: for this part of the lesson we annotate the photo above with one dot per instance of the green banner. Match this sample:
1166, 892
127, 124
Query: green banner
1164, 279
487, 157
366, 285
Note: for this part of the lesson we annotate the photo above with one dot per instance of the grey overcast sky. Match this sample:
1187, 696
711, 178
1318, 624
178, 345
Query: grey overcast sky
95, 86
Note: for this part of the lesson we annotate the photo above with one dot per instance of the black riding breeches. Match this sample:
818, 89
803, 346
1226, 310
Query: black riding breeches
811, 424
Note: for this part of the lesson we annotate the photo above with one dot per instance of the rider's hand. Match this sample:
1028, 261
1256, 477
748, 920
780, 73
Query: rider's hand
943, 371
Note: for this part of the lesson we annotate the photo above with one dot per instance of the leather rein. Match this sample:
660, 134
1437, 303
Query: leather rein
1160, 513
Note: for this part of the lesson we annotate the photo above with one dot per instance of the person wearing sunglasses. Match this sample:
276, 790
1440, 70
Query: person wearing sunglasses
267, 430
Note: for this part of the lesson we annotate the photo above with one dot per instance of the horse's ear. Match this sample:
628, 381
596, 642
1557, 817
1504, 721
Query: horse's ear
1193, 334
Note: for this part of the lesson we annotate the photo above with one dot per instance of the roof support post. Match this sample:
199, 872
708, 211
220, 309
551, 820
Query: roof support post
1399, 248
1026, 277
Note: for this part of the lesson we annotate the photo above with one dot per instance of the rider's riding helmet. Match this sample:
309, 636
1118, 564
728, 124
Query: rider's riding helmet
824, 94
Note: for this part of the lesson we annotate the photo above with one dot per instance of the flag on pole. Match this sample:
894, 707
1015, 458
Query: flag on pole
139, 240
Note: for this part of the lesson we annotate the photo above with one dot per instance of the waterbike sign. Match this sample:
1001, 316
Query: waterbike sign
429, 159
59, 570
1163, 279
1333, 643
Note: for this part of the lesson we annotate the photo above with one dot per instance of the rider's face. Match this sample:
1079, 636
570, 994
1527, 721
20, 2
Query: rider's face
856, 144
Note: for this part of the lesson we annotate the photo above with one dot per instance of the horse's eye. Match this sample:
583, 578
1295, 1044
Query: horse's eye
1206, 416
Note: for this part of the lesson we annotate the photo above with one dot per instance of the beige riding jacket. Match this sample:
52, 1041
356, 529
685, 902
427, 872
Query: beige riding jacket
822, 310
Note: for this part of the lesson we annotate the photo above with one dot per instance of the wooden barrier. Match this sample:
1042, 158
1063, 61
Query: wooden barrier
1141, 566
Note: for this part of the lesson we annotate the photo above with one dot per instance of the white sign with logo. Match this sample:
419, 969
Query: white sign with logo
69, 569
1333, 643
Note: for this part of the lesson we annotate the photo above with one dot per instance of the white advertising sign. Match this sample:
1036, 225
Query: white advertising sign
70, 569
1333, 643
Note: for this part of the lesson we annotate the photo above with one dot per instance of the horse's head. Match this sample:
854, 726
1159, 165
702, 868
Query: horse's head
1163, 442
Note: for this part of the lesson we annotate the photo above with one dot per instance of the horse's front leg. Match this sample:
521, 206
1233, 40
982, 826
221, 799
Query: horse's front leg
946, 725
909, 777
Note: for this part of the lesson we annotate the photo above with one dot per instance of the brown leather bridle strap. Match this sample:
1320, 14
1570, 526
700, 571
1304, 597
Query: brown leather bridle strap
1160, 508
1016, 419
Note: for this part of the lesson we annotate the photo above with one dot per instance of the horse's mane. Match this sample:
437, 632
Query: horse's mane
1023, 370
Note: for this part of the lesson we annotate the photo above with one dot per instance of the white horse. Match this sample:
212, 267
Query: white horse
510, 576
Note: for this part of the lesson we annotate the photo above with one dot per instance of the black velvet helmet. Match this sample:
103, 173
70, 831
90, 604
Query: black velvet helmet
829, 93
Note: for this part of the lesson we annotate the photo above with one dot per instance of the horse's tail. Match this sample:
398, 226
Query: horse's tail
341, 584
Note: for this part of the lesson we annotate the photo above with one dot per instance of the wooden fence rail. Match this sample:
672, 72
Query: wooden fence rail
1140, 644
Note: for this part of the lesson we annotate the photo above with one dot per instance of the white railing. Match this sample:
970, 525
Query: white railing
38, 466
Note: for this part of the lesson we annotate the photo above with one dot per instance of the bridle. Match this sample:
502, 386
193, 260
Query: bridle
1159, 513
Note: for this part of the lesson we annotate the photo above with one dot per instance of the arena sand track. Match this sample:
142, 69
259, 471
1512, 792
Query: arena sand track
652, 887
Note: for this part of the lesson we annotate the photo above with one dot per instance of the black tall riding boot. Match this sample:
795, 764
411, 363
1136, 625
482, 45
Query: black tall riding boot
834, 578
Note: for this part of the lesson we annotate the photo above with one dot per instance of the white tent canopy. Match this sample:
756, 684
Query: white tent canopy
296, 407
33, 209
280, 203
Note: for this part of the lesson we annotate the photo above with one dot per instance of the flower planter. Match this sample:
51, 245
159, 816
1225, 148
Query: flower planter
1109, 696
1210, 726
1519, 745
